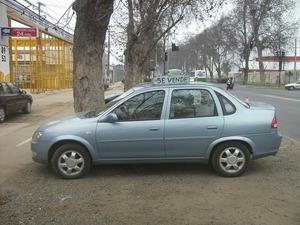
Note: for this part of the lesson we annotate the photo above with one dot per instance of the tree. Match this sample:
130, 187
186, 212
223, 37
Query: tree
257, 23
148, 23
93, 17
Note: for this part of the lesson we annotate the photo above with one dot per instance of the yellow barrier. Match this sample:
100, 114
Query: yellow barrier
41, 64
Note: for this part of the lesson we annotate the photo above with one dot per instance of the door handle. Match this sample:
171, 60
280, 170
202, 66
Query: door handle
212, 127
153, 129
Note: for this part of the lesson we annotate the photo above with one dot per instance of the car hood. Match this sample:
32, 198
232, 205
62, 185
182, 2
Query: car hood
260, 105
291, 84
78, 117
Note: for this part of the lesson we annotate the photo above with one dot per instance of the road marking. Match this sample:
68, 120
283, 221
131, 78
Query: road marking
283, 98
23, 142
292, 139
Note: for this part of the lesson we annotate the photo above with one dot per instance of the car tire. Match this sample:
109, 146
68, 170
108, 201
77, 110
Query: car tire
27, 108
230, 159
2, 114
71, 161
292, 88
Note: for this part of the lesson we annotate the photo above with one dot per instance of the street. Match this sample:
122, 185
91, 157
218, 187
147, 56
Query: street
268, 193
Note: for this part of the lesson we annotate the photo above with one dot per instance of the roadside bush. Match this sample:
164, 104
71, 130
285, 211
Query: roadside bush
222, 80
200, 79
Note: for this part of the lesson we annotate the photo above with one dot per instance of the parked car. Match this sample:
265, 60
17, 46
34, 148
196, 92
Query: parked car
293, 86
169, 123
12, 100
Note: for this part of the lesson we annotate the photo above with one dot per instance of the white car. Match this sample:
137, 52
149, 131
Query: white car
293, 86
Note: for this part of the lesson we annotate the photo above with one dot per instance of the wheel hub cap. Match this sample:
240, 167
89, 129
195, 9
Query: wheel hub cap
232, 160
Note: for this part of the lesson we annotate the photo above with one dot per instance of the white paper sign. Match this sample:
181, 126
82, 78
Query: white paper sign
171, 79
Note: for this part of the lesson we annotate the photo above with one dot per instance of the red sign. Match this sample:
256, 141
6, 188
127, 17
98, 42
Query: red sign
23, 32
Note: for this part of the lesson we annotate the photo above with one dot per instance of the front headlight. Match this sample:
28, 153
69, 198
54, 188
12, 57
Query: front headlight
37, 135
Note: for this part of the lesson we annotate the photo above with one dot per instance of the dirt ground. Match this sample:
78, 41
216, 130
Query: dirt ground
268, 193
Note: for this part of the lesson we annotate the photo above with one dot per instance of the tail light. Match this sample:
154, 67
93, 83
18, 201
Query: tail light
274, 123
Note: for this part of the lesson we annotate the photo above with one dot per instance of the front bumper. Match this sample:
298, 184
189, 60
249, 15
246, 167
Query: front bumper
39, 152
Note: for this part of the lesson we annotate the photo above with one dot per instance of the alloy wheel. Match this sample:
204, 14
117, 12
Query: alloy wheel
71, 163
232, 160
2, 115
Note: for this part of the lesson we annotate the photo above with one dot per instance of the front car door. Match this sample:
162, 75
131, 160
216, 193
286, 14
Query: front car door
195, 121
8, 98
138, 133
297, 86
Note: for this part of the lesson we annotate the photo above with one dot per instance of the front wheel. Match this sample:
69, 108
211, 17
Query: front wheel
292, 88
27, 108
71, 161
2, 115
230, 159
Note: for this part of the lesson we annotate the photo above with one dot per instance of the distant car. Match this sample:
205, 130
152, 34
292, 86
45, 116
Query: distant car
12, 100
293, 86
168, 123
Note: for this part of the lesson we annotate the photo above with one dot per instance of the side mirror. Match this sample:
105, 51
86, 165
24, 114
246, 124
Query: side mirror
23, 92
110, 118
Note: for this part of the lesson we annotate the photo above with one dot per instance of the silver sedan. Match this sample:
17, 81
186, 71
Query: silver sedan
168, 123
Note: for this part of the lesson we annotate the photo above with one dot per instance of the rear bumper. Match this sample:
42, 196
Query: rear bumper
267, 145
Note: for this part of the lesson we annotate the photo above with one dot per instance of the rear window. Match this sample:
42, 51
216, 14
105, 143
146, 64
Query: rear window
227, 106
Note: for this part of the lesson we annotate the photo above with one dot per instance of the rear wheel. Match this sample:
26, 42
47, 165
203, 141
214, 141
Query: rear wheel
2, 115
27, 108
230, 159
71, 161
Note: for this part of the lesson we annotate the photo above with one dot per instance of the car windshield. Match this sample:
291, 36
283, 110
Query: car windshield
119, 98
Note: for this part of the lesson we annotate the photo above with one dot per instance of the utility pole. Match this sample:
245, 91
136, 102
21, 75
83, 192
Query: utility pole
295, 62
39, 8
108, 53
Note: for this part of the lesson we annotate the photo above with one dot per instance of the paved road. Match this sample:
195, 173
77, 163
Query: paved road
287, 104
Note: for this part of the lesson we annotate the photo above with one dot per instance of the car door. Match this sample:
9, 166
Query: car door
8, 98
16, 97
138, 133
297, 86
194, 122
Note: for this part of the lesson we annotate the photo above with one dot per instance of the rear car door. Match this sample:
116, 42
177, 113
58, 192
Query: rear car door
195, 121
16, 95
138, 133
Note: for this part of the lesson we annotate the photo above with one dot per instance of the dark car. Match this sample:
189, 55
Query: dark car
12, 100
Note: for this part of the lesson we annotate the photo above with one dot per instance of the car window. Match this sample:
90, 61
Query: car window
13, 89
227, 106
3, 89
192, 103
145, 106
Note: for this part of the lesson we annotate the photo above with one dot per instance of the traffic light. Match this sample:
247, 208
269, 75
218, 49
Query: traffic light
174, 47
166, 56
251, 44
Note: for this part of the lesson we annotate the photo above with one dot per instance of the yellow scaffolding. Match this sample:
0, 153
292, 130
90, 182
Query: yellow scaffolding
41, 63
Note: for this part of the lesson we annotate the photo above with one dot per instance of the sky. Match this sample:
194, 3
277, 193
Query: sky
54, 9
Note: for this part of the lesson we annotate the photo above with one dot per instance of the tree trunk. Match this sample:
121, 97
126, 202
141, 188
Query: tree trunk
246, 70
133, 71
261, 65
93, 17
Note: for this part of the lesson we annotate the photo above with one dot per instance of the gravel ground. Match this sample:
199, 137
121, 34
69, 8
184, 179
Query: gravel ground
268, 193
